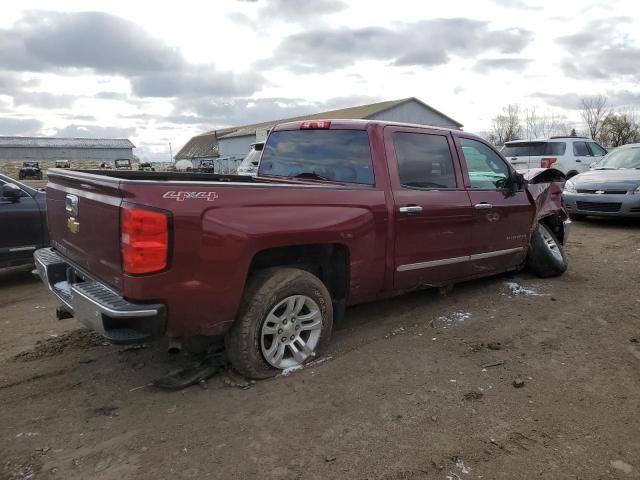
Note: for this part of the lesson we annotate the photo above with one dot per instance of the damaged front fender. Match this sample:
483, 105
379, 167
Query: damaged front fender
544, 186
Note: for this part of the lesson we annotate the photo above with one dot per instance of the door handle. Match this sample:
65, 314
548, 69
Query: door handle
578, 160
411, 209
482, 205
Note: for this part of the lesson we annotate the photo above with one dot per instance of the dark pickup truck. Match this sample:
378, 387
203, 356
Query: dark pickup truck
341, 212
23, 223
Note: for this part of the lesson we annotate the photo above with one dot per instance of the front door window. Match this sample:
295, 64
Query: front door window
487, 171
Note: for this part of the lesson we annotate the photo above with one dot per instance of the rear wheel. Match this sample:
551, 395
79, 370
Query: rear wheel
546, 256
285, 320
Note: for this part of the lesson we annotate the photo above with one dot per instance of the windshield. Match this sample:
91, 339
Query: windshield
626, 158
335, 155
122, 162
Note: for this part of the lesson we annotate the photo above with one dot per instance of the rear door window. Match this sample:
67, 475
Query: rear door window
486, 168
335, 155
580, 149
424, 160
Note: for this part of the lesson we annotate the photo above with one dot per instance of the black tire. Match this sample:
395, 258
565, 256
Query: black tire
263, 292
542, 260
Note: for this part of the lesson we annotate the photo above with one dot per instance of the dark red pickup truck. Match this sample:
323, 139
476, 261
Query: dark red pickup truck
341, 212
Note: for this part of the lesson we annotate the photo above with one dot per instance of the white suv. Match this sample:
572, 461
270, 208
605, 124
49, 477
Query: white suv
571, 155
250, 163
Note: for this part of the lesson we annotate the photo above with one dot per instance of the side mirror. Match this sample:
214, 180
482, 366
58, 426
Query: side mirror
518, 181
11, 191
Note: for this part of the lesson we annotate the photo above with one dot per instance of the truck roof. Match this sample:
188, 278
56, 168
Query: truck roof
355, 124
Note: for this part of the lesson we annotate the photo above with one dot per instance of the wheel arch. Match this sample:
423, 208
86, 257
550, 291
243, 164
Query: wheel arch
330, 262
556, 223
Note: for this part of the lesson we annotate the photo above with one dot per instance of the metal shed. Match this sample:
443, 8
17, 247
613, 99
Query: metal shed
76, 149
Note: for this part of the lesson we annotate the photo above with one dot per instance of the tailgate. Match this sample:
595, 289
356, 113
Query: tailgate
83, 214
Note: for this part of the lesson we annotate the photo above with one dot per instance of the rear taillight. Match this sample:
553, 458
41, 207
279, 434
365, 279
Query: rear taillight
315, 125
547, 162
144, 240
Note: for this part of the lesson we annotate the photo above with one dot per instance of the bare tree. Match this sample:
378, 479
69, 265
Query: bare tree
506, 127
593, 113
620, 128
531, 123
544, 126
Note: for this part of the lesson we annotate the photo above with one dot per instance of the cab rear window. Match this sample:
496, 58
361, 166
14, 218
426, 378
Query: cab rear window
335, 155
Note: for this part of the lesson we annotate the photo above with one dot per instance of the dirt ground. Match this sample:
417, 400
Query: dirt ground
401, 394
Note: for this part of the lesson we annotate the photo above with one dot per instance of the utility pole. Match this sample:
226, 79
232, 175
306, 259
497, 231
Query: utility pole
170, 153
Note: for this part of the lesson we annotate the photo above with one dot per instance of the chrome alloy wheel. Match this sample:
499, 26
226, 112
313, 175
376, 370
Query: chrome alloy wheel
291, 331
551, 244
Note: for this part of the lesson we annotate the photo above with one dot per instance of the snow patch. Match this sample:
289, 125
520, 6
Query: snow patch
517, 289
455, 317
464, 469
288, 371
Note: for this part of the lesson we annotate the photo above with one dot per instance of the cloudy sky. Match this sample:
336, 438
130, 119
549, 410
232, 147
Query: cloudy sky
160, 72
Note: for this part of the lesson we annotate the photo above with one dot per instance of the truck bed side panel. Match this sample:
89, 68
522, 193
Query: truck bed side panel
215, 242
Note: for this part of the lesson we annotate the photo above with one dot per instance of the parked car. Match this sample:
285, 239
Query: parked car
30, 170
341, 212
249, 165
610, 188
22, 222
570, 155
63, 164
123, 164
207, 166
146, 167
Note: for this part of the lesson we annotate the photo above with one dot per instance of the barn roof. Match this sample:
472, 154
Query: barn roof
53, 142
206, 144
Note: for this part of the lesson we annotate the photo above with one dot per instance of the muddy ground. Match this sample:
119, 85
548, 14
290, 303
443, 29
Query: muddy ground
401, 394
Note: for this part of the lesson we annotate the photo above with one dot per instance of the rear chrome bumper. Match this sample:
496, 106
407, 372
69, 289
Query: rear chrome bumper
97, 306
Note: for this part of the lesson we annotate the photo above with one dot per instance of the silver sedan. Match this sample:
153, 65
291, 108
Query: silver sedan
610, 188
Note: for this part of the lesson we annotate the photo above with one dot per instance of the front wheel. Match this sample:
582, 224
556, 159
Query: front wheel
285, 320
546, 256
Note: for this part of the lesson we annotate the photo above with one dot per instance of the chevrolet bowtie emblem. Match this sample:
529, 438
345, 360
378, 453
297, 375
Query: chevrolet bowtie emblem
73, 225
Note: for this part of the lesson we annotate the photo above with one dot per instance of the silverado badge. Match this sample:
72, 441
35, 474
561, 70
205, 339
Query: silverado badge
73, 225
